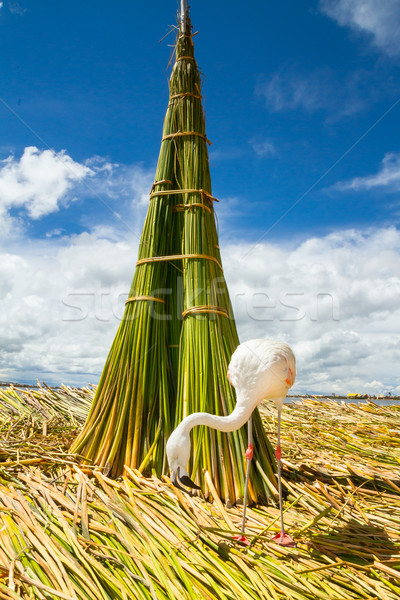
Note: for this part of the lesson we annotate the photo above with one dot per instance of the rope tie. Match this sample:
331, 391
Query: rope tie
185, 58
204, 193
159, 183
138, 298
152, 259
181, 133
184, 94
183, 207
207, 308
188, 35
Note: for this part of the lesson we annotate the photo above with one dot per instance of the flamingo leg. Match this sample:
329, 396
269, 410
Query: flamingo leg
249, 455
282, 538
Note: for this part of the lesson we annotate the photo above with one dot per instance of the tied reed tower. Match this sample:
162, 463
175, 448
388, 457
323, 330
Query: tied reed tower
171, 352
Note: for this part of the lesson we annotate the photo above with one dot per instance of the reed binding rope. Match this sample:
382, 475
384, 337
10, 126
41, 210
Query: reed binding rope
151, 259
182, 207
185, 95
159, 183
194, 310
185, 58
150, 298
182, 133
207, 195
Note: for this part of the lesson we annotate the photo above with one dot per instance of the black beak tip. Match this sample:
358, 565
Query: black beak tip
189, 483
175, 483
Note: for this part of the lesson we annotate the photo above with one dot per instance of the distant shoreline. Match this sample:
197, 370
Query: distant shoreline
5, 384
353, 398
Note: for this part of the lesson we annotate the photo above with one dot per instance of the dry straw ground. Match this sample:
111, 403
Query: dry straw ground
68, 533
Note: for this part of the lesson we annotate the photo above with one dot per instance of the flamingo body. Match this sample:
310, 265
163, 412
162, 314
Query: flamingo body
259, 369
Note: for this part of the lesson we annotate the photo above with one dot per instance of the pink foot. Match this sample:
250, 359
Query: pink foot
242, 539
283, 539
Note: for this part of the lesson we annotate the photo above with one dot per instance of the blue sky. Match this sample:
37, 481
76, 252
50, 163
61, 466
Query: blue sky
302, 101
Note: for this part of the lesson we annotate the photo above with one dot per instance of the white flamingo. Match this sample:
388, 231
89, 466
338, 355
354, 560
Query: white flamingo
259, 369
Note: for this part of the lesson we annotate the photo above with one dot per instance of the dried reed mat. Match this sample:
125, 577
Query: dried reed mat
67, 532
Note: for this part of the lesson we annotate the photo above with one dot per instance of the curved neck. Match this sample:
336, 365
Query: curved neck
234, 421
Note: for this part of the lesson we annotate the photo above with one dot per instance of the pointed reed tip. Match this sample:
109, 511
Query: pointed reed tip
184, 17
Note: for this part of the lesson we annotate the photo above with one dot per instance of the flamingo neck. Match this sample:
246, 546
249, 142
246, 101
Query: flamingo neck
235, 420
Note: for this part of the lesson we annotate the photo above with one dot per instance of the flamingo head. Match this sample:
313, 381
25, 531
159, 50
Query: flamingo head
261, 369
178, 453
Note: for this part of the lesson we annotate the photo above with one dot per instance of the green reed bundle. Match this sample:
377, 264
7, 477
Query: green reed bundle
171, 352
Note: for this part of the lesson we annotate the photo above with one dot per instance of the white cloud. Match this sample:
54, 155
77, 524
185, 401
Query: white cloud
263, 147
380, 20
69, 288
387, 177
288, 91
39, 181
1, 5
320, 90
60, 306
15, 8
335, 299
120, 180
123, 190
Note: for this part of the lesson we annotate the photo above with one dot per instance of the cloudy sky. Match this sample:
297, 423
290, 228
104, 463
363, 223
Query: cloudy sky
303, 108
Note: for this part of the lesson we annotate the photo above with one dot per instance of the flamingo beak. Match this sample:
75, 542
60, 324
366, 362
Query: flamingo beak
189, 483
175, 480
185, 480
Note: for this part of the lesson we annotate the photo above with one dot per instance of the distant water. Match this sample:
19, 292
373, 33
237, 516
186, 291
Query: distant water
289, 400
377, 401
